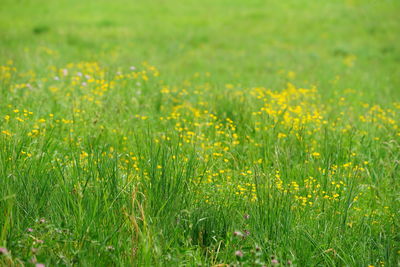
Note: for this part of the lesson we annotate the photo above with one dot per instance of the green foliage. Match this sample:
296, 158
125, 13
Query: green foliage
106, 160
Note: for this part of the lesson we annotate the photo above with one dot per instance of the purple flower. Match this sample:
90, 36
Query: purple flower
3, 251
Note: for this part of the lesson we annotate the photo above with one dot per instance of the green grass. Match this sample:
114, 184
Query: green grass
216, 150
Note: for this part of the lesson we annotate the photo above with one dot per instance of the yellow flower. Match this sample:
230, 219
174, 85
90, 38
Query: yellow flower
6, 133
281, 135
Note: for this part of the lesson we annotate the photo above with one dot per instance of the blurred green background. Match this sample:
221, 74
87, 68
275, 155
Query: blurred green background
334, 44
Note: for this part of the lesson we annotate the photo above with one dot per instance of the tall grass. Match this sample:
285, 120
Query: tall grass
122, 169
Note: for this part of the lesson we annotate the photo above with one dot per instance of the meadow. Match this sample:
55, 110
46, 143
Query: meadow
199, 133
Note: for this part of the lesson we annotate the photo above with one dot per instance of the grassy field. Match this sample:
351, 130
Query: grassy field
199, 133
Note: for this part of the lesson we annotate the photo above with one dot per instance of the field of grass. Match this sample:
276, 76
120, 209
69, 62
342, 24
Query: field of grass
199, 133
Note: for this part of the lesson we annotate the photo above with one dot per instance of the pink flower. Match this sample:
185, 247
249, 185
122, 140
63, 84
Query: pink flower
274, 261
3, 251
30, 230
237, 233
40, 265
239, 253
